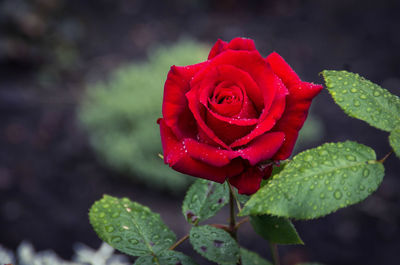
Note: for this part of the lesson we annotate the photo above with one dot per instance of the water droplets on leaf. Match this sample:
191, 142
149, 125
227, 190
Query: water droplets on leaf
337, 194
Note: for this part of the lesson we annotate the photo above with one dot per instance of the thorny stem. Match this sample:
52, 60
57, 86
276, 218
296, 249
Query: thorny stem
275, 253
180, 241
385, 157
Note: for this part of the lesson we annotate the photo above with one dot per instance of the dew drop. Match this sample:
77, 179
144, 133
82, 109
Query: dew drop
366, 172
109, 228
361, 187
376, 94
353, 90
362, 96
116, 239
337, 194
102, 215
350, 157
322, 196
312, 187
196, 235
356, 103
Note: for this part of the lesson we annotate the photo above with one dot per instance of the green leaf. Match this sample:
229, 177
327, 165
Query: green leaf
252, 258
319, 181
364, 100
130, 227
168, 257
394, 139
203, 200
214, 244
275, 229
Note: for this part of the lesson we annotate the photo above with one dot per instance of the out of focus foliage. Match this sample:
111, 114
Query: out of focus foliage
120, 115
26, 255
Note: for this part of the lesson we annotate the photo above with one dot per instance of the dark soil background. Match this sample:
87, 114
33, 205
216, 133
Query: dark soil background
49, 49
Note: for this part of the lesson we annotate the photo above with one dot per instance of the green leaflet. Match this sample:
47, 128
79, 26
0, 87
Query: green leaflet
168, 257
363, 100
319, 181
130, 227
394, 139
204, 199
275, 229
214, 244
252, 258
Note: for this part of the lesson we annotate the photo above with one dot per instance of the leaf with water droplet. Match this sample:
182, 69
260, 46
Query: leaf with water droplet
297, 193
203, 200
251, 258
135, 230
214, 244
168, 257
394, 139
367, 101
279, 230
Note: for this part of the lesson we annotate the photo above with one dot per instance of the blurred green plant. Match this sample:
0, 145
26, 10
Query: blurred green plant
120, 115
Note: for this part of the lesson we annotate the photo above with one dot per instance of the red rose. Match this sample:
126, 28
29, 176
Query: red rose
225, 117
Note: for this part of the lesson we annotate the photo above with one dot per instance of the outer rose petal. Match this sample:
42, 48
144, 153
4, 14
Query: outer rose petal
208, 154
262, 148
248, 182
297, 103
175, 107
176, 155
235, 44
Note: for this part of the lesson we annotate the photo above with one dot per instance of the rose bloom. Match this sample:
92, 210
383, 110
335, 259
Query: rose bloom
233, 116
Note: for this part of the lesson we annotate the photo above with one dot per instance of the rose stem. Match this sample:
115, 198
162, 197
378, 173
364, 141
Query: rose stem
275, 253
385, 157
232, 219
180, 241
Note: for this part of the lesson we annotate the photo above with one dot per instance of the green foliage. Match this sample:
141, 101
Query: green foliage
120, 115
168, 257
319, 181
363, 100
275, 229
130, 227
251, 258
214, 244
203, 200
394, 139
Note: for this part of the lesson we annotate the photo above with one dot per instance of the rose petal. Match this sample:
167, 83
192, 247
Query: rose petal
218, 47
282, 69
235, 44
251, 67
208, 154
175, 107
297, 103
267, 118
248, 182
190, 166
177, 156
262, 148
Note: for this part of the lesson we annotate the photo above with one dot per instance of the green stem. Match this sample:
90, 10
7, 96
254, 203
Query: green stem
232, 219
275, 253
385, 157
180, 241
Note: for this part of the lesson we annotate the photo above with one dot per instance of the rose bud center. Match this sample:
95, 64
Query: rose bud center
226, 99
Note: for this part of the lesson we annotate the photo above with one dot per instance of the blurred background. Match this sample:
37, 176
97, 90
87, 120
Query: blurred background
81, 88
